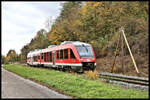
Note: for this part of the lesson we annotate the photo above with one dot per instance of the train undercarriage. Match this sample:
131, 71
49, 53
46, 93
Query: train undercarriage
85, 66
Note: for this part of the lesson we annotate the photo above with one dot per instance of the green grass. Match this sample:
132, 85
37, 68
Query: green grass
75, 85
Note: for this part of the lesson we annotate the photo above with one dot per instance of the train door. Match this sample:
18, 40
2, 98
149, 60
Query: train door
53, 57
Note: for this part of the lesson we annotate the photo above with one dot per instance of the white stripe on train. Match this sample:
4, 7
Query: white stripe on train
47, 64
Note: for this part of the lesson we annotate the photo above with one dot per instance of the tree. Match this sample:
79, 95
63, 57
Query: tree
64, 28
24, 51
48, 23
3, 59
11, 56
40, 41
96, 23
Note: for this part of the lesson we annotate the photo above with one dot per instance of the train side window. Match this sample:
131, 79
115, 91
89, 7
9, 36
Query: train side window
66, 54
34, 58
61, 54
42, 56
58, 54
45, 57
72, 54
50, 56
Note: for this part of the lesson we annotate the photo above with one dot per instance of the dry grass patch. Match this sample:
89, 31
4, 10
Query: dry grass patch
92, 75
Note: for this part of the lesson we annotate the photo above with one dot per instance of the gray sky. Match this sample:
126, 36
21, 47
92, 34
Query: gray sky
21, 21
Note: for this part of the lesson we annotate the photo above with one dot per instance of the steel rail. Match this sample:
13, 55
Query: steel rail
124, 76
127, 81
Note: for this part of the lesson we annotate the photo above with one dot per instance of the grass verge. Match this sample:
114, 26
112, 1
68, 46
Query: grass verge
74, 85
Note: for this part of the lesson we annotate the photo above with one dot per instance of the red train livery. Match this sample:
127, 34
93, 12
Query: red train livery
70, 55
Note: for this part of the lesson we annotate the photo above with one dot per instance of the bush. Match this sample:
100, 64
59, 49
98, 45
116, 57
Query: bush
92, 75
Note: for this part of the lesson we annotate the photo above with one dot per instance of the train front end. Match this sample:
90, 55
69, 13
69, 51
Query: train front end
86, 56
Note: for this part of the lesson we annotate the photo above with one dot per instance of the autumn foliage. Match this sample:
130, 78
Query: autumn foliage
97, 23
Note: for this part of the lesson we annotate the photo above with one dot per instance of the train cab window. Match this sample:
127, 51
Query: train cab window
72, 54
44, 56
61, 54
50, 56
66, 54
58, 54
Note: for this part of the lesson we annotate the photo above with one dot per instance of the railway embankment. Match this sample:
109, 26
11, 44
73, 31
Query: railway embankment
75, 85
104, 64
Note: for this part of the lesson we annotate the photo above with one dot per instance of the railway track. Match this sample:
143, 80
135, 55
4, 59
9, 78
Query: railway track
128, 81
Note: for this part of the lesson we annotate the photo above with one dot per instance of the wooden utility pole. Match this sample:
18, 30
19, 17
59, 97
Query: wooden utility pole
129, 50
112, 70
122, 53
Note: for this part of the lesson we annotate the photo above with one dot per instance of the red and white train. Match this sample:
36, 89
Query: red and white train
70, 55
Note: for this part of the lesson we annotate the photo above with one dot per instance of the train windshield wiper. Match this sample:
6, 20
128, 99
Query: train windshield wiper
85, 47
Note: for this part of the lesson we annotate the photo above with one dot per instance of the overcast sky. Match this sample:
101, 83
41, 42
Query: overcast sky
21, 21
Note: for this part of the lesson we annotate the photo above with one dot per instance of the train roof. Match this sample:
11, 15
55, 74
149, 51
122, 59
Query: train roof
76, 43
63, 45
34, 52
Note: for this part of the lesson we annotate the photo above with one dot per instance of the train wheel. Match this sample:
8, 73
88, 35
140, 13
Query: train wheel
69, 69
63, 69
80, 71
